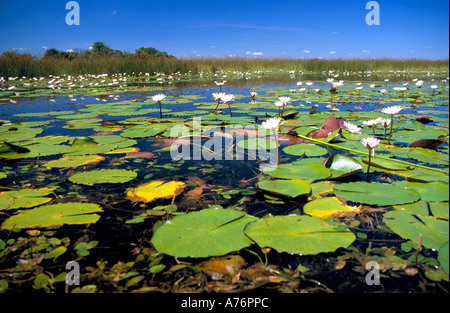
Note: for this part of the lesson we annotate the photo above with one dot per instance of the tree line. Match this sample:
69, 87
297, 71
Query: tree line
99, 49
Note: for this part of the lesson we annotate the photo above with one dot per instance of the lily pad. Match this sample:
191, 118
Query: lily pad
309, 171
434, 191
110, 176
74, 161
257, 144
285, 188
443, 256
376, 193
209, 232
299, 234
54, 215
434, 231
326, 207
155, 190
309, 150
428, 156
25, 198
342, 165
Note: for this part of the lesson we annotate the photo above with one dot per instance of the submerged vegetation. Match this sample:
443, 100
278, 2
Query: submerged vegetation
219, 181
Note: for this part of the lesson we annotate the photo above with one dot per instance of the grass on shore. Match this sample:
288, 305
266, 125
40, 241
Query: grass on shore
31, 66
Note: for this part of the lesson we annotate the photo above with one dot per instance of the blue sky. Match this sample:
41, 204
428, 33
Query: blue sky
252, 28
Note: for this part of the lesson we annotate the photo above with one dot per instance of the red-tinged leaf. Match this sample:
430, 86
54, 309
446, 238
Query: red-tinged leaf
139, 154
426, 143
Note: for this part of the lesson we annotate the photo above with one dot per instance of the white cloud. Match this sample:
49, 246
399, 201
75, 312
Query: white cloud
212, 47
428, 47
70, 50
248, 52
90, 48
258, 53
44, 47
335, 33
365, 51
306, 51
332, 52
114, 12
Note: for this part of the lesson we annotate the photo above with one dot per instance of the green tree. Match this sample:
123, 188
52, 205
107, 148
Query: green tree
101, 48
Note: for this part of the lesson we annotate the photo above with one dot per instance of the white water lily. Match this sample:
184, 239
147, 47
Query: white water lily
218, 95
370, 142
371, 123
279, 103
352, 128
392, 110
227, 98
384, 122
272, 123
158, 97
284, 100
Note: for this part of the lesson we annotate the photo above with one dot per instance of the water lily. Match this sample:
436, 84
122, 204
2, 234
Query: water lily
352, 128
217, 96
253, 95
434, 87
370, 143
158, 98
227, 99
220, 84
371, 123
273, 124
392, 110
385, 123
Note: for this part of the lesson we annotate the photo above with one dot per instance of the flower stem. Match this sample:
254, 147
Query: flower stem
229, 106
368, 166
160, 110
218, 102
390, 134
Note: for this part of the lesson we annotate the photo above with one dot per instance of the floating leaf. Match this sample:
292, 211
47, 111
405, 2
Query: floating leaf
443, 256
309, 150
209, 232
428, 156
434, 231
111, 176
25, 198
285, 188
376, 193
11, 151
74, 161
310, 171
155, 190
299, 234
257, 144
342, 165
434, 191
326, 207
54, 215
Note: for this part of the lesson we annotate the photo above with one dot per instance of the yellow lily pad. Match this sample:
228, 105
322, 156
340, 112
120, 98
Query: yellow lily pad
155, 190
326, 207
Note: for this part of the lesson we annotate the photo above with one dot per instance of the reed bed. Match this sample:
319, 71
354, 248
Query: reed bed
17, 65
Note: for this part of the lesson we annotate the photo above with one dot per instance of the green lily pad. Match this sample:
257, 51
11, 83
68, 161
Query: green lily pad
309, 171
11, 151
209, 232
376, 193
299, 234
309, 150
54, 215
428, 156
434, 191
434, 231
342, 165
110, 176
257, 144
74, 161
25, 198
285, 188
443, 256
